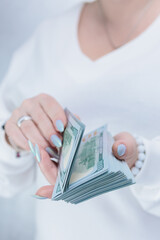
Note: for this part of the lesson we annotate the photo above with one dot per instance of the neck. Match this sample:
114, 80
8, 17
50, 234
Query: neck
119, 12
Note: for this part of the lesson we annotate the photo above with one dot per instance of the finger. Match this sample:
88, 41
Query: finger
55, 112
16, 136
45, 191
123, 146
28, 128
43, 122
32, 133
119, 150
48, 167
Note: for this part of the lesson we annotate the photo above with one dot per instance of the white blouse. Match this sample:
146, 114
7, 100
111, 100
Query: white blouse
121, 89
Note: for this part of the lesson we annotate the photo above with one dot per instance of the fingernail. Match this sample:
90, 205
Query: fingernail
31, 147
56, 141
121, 149
59, 126
38, 156
51, 152
54, 160
39, 197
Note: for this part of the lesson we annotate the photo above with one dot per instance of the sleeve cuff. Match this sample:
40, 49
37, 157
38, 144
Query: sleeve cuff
150, 172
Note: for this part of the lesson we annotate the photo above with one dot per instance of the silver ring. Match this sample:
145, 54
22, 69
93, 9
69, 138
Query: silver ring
21, 119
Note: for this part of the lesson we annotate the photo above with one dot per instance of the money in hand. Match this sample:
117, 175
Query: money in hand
92, 169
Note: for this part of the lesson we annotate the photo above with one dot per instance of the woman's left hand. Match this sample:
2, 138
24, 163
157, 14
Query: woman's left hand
125, 148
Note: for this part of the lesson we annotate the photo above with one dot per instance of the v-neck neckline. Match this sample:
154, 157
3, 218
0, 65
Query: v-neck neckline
79, 63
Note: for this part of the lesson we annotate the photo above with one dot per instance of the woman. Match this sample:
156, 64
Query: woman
101, 60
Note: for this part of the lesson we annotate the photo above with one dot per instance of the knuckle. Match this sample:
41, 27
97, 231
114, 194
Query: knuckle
26, 103
53, 108
49, 100
15, 113
43, 96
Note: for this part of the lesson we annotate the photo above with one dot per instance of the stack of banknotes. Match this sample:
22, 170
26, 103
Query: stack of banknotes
87, 167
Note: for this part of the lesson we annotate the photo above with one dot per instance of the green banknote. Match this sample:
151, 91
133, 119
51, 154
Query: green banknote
89, 160
90, 156
71, 139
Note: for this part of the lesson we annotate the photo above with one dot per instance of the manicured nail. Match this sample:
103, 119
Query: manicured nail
31, 147
54, 160
38, 156
56, 141
52, 152
121, 150
59, 126
39, 197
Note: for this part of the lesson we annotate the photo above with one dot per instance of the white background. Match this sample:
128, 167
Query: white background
18, 20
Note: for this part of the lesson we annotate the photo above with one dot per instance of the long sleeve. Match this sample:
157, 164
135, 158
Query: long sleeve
16, 173
147, 187
30, 67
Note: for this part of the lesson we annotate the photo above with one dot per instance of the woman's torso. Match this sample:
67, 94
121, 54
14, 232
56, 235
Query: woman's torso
121, 89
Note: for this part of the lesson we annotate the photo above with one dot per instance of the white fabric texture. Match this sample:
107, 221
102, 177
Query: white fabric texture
121, 89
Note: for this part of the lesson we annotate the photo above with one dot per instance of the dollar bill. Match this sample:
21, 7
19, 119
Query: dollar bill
71, 139
89, 159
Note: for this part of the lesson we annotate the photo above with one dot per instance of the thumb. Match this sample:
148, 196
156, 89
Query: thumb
44, 192
119, 149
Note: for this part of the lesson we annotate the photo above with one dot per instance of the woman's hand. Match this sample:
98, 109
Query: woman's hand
125, 148
48, 121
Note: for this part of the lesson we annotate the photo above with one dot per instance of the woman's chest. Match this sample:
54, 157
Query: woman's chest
123, 99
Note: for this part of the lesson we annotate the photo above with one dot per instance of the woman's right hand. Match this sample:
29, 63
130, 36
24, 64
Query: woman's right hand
45, 128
